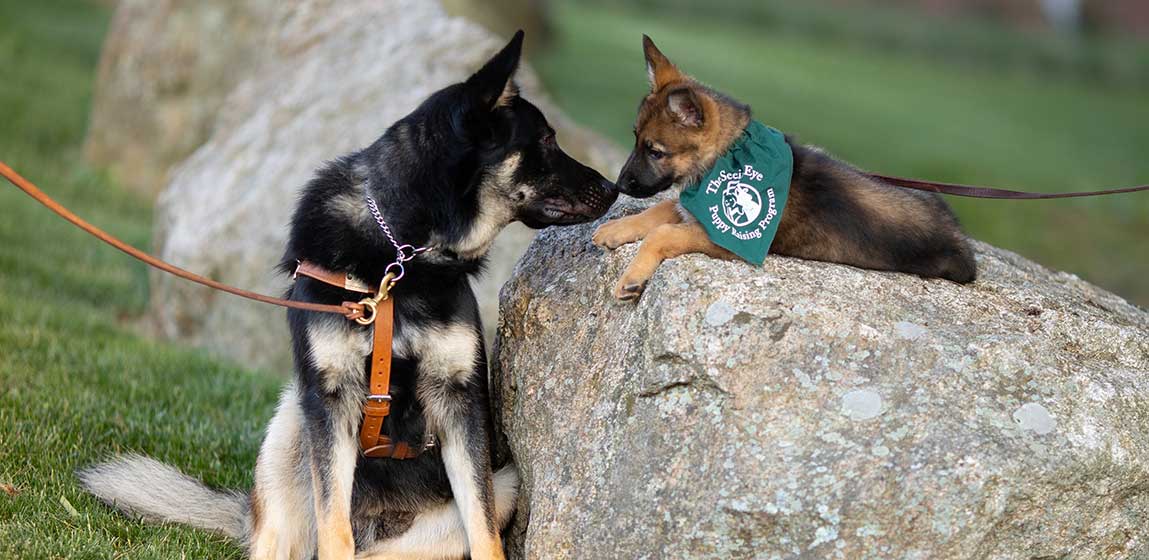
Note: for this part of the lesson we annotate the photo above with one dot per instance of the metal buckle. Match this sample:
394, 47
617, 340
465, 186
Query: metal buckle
368, 312
370, 303
379, 398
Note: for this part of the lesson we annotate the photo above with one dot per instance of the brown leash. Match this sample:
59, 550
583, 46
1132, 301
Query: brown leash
988, 192
378, 308
348, 309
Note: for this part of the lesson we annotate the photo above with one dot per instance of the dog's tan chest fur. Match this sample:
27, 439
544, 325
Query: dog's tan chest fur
339, 350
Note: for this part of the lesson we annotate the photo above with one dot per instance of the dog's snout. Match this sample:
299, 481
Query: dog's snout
625, 182
628, 185
598, 200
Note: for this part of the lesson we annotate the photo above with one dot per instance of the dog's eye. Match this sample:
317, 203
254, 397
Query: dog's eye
654, 153
549, 139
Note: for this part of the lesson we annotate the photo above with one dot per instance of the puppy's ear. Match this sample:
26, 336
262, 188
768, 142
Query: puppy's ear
659, 70
684, 105
494, 84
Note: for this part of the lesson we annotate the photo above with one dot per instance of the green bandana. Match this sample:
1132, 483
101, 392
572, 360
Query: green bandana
740, 200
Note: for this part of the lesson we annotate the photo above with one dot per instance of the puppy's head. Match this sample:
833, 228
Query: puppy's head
678, 133
522, 170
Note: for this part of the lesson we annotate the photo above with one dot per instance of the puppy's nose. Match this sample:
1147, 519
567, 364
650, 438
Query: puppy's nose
625, 182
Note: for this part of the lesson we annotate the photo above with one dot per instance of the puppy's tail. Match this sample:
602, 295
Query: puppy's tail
147, 488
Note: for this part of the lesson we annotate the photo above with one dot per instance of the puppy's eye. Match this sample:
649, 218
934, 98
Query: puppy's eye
654, 153
549, 139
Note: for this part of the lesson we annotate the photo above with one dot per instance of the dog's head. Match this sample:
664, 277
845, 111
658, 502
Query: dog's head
521, 170
678, 134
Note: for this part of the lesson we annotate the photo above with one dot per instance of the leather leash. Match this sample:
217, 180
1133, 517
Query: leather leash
989, 192
350, 310
377, 309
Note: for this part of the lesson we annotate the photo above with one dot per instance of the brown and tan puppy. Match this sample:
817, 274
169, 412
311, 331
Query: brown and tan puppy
835, 212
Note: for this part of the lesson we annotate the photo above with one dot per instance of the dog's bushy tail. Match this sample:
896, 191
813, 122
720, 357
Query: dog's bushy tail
142, 486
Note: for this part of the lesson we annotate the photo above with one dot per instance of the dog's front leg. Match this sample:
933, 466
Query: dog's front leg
468, 463
332, 450
665, 242
616, 233
452, 387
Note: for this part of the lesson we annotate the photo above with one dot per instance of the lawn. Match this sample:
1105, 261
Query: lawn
76, 380
900, 114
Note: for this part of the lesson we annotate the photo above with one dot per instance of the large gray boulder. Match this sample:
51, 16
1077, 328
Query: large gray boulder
167, 67
265, 92
812, 410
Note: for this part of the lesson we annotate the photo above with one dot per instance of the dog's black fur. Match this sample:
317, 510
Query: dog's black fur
473, 157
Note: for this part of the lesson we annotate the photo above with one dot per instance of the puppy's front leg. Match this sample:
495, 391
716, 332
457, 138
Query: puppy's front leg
333, 451
616, 233
665, 242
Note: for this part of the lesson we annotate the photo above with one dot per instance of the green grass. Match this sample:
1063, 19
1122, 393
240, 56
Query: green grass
979, 40
900, 114
76, 381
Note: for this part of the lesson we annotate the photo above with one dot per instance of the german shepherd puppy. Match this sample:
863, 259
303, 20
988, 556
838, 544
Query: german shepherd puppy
471, 159
835, 212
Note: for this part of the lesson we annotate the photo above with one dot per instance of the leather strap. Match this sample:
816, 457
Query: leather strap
372, 442
337, 279
349, 309
378, 404
989, 192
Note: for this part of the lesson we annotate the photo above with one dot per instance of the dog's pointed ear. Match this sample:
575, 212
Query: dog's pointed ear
494, 83
659, 69
685, 106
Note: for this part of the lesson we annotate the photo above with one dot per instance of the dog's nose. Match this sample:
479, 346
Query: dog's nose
625, 182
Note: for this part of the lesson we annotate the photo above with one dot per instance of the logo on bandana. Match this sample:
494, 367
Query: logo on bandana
741, 203
740, 200
748, 205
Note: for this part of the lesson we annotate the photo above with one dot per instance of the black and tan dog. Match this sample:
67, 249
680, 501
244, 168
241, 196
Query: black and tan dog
471, 159
835, 212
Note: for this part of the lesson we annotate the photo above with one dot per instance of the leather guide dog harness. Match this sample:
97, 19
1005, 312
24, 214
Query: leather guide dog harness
378, 308
371, 442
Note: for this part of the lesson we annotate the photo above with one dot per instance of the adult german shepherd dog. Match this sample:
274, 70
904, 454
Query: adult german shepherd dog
471, 159
835, 212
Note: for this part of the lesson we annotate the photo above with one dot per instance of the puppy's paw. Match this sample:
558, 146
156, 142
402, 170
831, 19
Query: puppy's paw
615, 234
629, 290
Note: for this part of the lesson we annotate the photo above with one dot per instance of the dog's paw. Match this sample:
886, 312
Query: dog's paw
628, 290
614, 234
